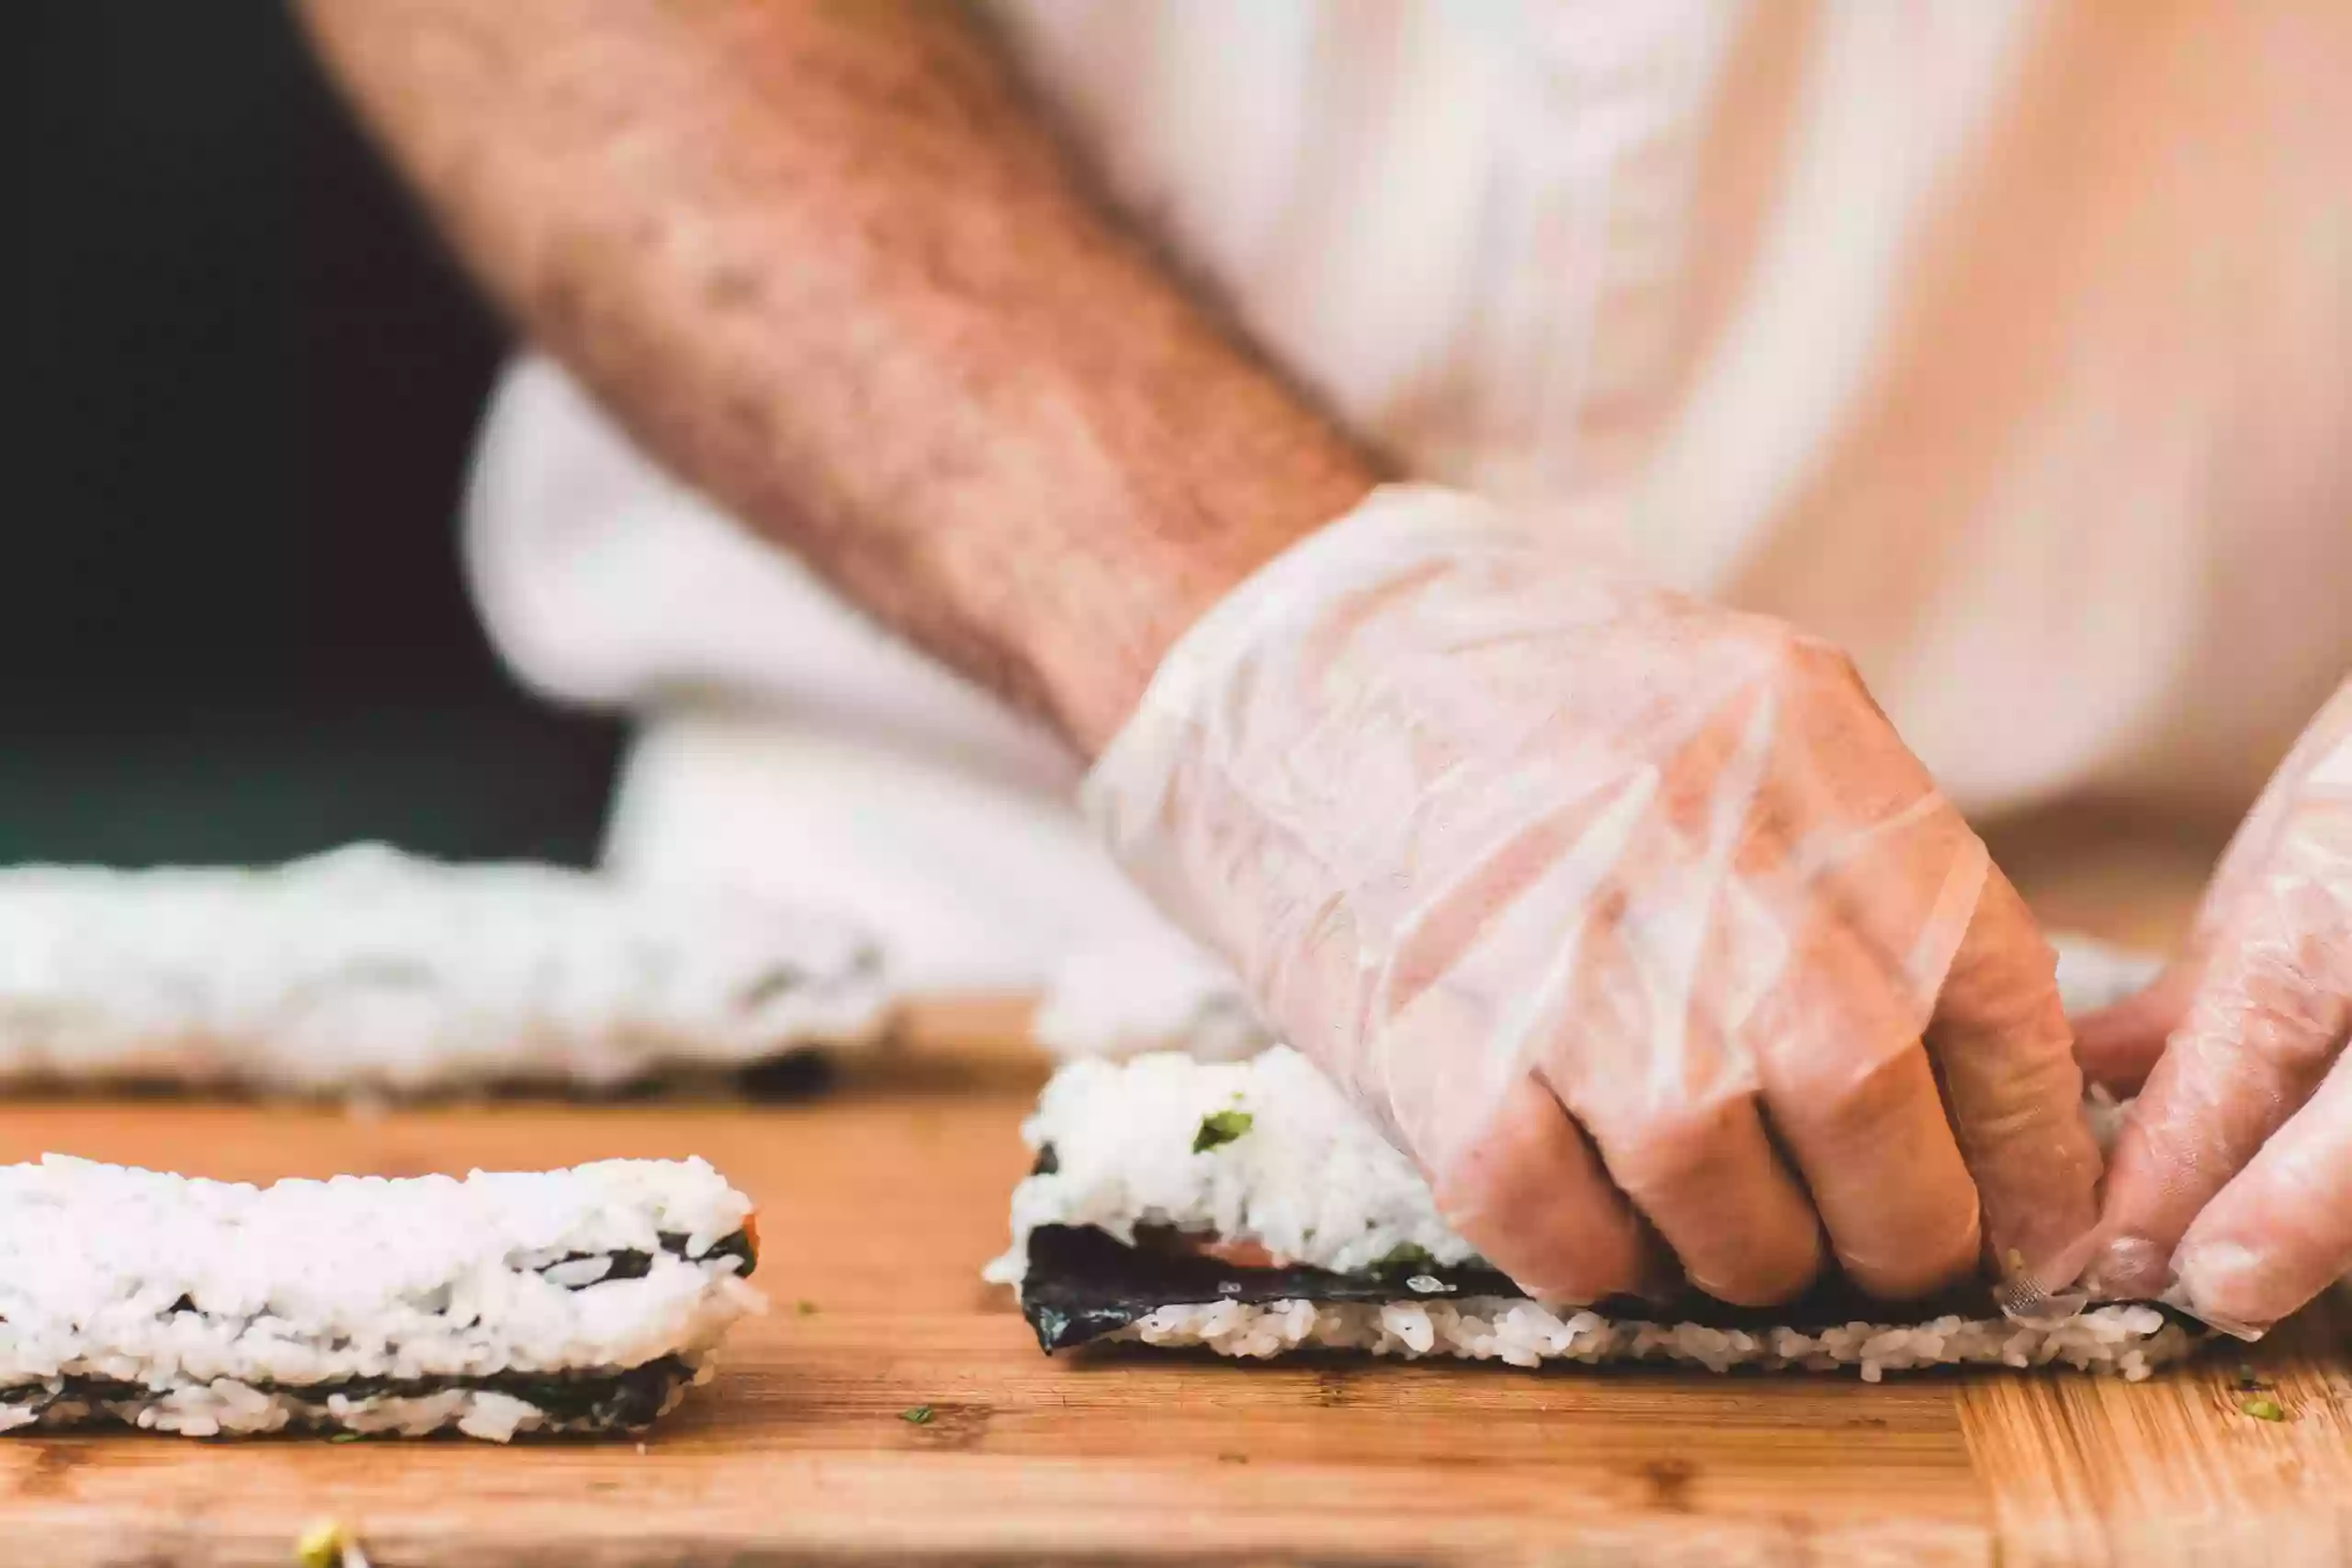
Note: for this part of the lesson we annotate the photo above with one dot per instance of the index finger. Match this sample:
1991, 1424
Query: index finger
2015, 1093
2269, 1017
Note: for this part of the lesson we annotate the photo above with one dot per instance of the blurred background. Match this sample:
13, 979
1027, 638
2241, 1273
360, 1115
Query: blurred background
246, 381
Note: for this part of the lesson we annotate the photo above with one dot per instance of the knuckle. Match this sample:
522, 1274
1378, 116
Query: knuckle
2285, 1016
1688, 1149
2010, 1108
1848, 1097
1818, 663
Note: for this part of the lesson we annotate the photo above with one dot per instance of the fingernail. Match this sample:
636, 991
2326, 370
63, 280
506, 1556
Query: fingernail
2049, 1270
2214, 1284
2127, 1267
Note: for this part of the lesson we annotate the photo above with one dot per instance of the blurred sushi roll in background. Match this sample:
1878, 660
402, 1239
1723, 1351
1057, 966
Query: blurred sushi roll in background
365, 970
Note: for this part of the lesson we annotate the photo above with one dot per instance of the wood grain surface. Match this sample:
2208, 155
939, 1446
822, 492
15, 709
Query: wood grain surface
878, 1205
878, 1208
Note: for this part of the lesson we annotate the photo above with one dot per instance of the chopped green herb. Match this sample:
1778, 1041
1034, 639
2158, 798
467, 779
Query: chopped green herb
1403, 1255
918, 1416
806, 1309
1220, 1127
325, 1545
2262, 1407
345, 1438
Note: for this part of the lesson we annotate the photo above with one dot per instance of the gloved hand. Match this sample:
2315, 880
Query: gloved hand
1625, 917
2229, 1187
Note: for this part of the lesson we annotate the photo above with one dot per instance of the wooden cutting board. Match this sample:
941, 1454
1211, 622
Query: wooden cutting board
879, 1207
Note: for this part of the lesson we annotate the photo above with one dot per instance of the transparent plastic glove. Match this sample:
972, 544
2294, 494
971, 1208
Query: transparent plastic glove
1624, 915
2230, 1187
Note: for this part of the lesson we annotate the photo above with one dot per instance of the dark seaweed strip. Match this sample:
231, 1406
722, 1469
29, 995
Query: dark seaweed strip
628, 1398
802, 1073
1083, 1285
631, 1264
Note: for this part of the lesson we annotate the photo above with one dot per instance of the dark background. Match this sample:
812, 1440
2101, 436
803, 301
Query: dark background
246, 381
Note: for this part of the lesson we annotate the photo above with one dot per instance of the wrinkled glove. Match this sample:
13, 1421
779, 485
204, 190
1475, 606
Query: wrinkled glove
1630, 919
2230, 1191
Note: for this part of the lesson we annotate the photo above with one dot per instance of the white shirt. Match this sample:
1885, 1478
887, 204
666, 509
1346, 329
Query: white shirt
2009, 345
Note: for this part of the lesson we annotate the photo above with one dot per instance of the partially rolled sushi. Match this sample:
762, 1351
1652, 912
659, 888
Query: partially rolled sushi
1246, 1207
573, 1301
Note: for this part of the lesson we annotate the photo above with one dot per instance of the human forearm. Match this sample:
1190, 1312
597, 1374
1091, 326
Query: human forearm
825, 263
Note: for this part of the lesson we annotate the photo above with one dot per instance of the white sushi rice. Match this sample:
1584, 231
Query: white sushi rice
1313, 1182
2129, 1340
230, 1308
2094, 974
365, 969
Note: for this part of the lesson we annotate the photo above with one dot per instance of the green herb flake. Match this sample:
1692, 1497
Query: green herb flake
1403, 1255
321, 1546
806, 1309
919, 1415
2262, 1407
345, 1438
1219, 1128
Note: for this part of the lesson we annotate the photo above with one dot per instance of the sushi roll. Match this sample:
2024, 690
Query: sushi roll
528, 1302
1246, 1207
368, 970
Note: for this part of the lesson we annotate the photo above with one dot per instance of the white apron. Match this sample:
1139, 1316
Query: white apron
2008, 345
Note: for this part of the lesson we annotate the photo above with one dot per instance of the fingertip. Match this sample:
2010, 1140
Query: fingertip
2126, 1268
1740, 1224
1533, 1197
1880, 1160
1924, 1267
2014, 1089
1766, 1277
2233, 1288
2279, 1232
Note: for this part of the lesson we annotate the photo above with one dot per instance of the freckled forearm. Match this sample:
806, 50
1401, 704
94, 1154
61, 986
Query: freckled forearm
826, 263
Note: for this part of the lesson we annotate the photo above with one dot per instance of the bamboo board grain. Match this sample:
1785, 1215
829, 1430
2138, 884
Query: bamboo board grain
878, 1208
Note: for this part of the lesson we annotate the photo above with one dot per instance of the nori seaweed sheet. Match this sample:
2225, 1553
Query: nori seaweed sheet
1085, 1283
626, 1398
630, 1264
620, 1398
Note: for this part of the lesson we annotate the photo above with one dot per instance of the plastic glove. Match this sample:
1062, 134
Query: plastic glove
1624, 915
2230, 1190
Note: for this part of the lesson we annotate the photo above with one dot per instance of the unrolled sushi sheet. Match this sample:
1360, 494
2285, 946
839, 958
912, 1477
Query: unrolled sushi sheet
366, 970
576, 1301
1141, 1162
